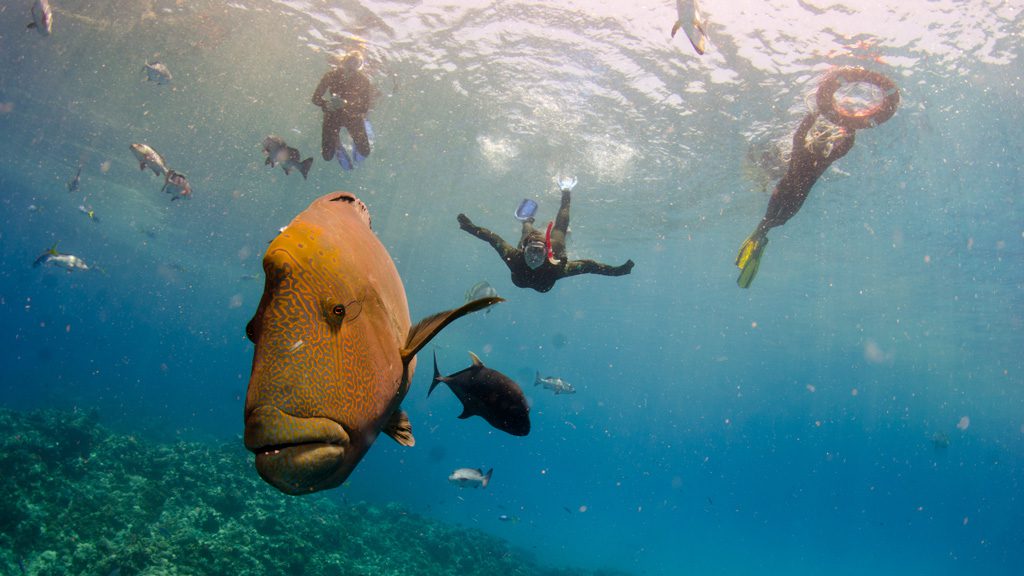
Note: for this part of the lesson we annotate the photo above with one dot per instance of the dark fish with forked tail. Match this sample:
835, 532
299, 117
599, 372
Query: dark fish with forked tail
278, 151
489, 394
335, 349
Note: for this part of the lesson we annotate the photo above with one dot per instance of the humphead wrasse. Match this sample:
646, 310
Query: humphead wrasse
335, 349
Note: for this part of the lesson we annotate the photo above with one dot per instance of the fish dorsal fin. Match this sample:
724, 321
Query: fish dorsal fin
399, 428
429, 327
476, 360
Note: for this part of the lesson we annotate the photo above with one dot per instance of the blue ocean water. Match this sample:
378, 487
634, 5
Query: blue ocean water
859, 410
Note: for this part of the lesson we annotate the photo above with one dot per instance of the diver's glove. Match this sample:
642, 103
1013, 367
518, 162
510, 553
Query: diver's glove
566, 183
333, 103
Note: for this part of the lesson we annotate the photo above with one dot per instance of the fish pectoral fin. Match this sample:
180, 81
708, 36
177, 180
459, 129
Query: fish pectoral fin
676, 27
430, 326
399, 428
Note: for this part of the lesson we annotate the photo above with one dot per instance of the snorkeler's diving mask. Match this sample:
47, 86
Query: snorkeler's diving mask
535, 253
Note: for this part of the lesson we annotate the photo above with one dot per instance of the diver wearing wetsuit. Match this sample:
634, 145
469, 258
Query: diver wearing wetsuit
531, 264
808, 161
350, 95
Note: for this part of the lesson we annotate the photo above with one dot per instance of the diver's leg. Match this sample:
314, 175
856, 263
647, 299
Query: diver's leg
528, 230
561, 226
357, 130
329, 135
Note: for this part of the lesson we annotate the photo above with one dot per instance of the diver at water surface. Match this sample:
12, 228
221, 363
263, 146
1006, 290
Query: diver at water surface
345, 94
541, 258
822, 138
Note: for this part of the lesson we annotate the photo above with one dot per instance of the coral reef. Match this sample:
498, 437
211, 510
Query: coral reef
79, 499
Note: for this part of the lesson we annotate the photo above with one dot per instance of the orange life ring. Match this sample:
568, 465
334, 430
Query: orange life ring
857, 120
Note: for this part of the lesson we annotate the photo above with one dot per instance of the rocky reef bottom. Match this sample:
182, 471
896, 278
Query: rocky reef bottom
79, 499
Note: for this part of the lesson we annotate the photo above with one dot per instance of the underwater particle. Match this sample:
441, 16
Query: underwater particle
927, 259
753, 325
583, 508
105, 166
963, 423
235, 301
854, 392
811, 388
874, 354
559, 340
965, 521
6, 107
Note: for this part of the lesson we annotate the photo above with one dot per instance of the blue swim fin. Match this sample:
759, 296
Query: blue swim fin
369, 130
357, 158
343, 159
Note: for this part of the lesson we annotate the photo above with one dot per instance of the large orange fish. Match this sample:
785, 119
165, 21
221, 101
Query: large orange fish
335, 352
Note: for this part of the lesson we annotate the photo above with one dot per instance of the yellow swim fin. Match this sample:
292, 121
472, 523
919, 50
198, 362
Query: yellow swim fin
749, 259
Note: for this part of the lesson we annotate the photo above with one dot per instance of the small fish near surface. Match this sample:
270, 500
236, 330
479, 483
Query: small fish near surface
691, 20
489, 394
555, 384
157, 72
55, 259
335, 350
177, 184
149, 158
88, 212
42, 17
278, 151
75, 184
470, 478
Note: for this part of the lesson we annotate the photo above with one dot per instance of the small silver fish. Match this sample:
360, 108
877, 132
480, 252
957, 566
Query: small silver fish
470, 478
42, 17
149, 158
53, 258
556, 384
177, 184
157, 72
690, 19
278, 151
481, 289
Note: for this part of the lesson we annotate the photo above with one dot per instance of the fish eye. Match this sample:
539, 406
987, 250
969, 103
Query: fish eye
338, 310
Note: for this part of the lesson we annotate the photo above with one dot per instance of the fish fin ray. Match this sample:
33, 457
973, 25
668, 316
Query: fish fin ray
399, 428
430, 326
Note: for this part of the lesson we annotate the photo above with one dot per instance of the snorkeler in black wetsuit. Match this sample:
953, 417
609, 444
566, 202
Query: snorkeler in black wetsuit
349, 96
541, 259
809, 160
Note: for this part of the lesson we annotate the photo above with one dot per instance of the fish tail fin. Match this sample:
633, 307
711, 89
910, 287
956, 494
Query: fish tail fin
430, 326
304, 167
437, 376
487, 478
748, 260
676, 27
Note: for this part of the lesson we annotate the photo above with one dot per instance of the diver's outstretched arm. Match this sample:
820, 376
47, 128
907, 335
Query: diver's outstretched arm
504, 249
576, 267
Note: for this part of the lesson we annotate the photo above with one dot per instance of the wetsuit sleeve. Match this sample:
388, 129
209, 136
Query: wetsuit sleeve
801, 132
318, 94
576, 267
504, 249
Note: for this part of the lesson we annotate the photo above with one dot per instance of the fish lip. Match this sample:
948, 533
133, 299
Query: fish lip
297, 455
262, 437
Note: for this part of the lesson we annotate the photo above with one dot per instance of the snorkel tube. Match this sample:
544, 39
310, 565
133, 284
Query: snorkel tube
856, 119
547, 244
